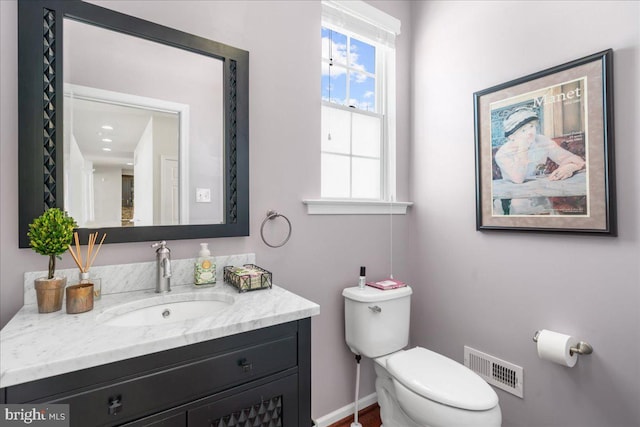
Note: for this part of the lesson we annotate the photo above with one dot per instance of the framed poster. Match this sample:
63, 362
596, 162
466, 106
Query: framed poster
544, 150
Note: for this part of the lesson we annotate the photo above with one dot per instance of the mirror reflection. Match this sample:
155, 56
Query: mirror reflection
143, 131
110, 149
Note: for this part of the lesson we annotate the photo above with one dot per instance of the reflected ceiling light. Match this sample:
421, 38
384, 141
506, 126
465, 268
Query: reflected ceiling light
107, 127
129, 163
107, 140
106, 149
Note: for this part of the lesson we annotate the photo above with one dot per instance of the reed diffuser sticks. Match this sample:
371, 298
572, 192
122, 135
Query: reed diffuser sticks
77, 254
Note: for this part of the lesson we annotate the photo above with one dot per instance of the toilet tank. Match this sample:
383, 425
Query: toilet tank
376, 321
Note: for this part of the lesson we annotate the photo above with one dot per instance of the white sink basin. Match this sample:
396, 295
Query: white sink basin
165, 309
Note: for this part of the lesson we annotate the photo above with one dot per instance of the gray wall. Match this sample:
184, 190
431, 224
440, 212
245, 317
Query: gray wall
493, 290
325, 252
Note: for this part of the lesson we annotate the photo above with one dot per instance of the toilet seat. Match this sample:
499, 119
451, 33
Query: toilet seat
441, 379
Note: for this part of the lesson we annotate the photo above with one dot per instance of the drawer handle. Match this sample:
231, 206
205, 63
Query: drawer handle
115, 405
245, 365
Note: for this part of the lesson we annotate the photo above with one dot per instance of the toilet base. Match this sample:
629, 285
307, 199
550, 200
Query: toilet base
429, 413
390, 412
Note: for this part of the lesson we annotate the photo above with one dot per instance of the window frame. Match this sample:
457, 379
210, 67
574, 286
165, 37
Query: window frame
380, 108
379, 30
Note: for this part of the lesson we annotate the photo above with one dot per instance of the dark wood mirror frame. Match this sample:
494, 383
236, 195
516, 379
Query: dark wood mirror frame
40, 110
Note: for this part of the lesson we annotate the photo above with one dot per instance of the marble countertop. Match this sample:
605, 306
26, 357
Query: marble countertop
35, 346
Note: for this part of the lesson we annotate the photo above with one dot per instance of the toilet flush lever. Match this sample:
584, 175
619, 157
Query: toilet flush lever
375, 309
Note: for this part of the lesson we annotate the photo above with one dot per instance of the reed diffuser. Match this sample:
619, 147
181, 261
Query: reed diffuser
84, 264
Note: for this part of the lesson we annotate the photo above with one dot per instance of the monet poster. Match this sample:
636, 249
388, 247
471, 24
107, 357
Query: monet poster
544, 150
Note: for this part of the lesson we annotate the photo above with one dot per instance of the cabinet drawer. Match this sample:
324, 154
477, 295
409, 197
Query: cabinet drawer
176, 420
134, 398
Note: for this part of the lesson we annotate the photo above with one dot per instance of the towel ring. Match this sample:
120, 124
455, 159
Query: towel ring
273, 215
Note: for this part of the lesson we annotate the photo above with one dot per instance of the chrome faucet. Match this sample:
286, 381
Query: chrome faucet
163, 267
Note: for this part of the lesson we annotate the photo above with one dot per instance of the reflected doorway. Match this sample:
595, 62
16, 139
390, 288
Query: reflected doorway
127, 200
117, 142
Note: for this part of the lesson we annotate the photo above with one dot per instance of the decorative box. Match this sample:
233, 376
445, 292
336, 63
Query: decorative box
249, 277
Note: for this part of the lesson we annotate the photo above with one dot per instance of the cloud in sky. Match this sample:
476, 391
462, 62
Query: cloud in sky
338, 53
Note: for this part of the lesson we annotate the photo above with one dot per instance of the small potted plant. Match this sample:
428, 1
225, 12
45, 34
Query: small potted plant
51, 234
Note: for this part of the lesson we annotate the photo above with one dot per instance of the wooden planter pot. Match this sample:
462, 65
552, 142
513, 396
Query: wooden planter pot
50, 293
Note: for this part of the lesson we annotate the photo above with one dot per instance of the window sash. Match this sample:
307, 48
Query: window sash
376, 75
349, 154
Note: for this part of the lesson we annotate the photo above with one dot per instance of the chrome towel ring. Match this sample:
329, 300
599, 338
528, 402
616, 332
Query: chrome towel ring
272, 215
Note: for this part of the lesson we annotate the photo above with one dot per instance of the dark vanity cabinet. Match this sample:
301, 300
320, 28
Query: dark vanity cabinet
257, 378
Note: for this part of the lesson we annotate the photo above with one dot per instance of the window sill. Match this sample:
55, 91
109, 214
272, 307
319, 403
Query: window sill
355, 207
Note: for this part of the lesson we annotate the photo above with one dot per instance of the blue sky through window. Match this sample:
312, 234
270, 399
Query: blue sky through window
363, 56
342, 57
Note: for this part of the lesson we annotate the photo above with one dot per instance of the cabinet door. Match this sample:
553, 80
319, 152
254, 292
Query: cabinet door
272, 404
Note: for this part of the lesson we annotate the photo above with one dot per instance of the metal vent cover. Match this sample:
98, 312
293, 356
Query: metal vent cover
497, 372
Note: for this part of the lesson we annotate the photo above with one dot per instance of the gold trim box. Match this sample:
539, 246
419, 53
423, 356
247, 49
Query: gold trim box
249, 277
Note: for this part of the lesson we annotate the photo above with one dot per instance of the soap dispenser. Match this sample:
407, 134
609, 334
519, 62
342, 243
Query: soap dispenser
205, 267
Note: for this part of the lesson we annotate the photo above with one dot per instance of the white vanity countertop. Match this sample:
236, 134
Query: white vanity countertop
35, 346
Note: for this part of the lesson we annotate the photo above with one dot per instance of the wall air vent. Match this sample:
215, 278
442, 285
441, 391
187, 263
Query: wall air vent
497, 372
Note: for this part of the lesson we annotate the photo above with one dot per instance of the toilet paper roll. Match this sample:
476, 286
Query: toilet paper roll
556, 347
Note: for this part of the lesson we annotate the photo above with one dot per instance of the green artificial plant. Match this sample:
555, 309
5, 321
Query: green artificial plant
51, 234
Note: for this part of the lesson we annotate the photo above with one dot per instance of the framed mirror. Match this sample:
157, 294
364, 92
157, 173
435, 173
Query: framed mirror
135, 129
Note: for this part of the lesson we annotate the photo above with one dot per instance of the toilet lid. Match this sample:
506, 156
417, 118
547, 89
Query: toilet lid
441, 379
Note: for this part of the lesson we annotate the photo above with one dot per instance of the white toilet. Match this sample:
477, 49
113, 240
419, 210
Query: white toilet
416, 387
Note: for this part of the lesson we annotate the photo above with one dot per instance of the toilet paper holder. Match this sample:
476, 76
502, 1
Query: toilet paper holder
583, 347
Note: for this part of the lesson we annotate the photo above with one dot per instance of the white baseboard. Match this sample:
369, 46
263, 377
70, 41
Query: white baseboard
345, 411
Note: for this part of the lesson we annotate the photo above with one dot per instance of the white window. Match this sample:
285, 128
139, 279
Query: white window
358, 104
352, 120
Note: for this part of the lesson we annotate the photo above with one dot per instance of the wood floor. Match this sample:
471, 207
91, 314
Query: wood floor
368, 417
